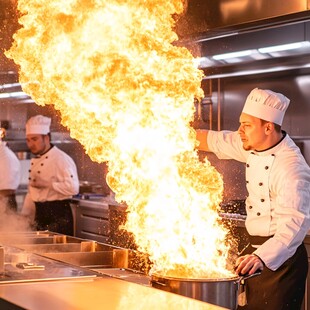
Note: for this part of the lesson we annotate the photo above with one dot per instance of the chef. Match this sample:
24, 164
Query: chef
10, 169
53, 180
278, 202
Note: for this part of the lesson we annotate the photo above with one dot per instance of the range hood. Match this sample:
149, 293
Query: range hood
209, 29
244, 37
203, 19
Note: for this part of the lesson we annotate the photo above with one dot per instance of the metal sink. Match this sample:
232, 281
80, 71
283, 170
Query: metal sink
75, 251
39, 237
22, 266
100, 258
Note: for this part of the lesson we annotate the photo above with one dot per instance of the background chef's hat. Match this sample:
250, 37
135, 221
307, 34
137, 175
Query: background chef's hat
267, 105
38, 124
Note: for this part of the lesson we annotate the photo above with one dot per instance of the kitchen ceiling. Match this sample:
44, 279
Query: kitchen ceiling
209, 19
226, 36
285, 47
230, 38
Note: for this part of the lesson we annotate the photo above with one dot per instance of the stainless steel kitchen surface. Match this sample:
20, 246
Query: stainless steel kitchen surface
46, 270
21, 266
91, 217
53, 271
126, 274
97, 294
44, 255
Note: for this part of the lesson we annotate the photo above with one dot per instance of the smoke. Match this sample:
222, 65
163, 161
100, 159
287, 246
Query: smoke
10, 221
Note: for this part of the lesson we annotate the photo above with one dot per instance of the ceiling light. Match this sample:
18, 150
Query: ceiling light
10, 85
233, 55
13, 94
202, 62
284, 47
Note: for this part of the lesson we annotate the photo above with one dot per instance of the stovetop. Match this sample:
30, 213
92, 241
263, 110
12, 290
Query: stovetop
22, 266
128, 275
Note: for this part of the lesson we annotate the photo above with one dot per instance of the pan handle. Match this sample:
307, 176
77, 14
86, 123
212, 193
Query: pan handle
244, 277
248, 276
241, 288
159, 283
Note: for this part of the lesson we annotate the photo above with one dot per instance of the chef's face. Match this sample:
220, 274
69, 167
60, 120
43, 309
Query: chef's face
38, 144
253, 132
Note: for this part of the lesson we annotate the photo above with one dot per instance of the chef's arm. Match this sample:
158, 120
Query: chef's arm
67, 186
66, 181
202, 136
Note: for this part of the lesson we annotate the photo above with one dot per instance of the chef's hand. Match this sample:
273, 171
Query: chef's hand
248, 264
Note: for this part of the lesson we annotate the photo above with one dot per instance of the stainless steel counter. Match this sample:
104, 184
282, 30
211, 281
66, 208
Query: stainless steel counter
98, 293
100, 202
24, 266
99, 218
78, 274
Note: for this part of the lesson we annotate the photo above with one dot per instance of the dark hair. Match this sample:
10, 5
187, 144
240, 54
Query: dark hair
276, 126
48, 134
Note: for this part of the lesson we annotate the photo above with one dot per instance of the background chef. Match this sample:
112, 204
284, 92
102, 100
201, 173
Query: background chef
278, 202
10, 169
53, 180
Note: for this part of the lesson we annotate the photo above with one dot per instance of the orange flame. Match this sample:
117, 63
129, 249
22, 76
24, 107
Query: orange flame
126, 93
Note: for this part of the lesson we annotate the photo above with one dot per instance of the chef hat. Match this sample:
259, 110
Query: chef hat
38, 124
267, 105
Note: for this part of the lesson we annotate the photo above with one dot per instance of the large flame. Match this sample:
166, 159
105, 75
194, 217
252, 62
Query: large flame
126, 93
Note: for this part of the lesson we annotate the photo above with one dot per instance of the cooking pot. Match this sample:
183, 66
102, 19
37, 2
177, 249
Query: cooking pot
223, 292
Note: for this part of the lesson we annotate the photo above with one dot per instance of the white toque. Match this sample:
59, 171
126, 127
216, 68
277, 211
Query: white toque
267, 105
38, 124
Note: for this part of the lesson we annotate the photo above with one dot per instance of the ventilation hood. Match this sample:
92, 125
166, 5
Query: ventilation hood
228, 37
203, 19
243, 37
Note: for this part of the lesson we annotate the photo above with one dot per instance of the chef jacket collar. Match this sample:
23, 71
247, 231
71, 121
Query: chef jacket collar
266, 150
38, 156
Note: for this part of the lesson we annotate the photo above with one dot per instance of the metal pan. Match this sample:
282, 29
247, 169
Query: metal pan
222, 291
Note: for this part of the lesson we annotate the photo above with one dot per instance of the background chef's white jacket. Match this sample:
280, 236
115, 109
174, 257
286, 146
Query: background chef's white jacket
10, 168
56, 172
282, 174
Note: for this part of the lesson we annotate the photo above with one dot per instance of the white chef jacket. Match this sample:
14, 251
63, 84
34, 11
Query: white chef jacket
10, 168
278, 202
56, 172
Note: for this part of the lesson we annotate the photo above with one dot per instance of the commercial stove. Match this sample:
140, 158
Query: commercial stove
48, 256
22, 266
47, 270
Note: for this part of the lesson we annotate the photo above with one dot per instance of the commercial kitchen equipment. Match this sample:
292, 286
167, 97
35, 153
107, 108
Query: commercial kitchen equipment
47, 270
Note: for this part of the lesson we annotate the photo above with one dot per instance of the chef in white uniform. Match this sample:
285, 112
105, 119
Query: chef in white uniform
278, 202
53, 179
10, 170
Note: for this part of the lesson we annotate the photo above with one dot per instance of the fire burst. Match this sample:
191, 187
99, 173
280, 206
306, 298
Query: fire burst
126, 93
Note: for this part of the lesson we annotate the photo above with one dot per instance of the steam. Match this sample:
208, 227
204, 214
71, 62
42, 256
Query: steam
10, 221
